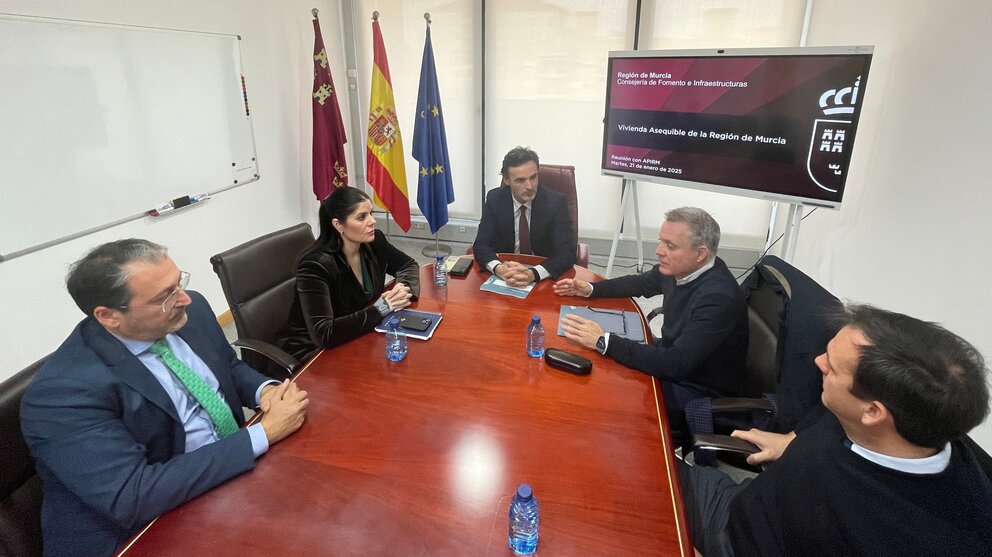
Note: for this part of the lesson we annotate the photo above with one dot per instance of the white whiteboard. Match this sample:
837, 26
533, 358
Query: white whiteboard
99, 123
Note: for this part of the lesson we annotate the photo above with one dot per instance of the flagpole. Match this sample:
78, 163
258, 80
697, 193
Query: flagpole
375, 17
439, 249
443, 250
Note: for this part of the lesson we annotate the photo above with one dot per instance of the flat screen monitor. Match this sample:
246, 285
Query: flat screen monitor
776, 123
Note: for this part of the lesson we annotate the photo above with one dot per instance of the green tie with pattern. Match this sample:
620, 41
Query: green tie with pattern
216, 408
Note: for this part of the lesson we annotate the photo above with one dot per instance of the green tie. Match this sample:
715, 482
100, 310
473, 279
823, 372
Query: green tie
216, 408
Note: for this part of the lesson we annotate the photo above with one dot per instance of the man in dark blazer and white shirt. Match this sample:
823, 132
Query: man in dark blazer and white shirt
546, 218
119, 429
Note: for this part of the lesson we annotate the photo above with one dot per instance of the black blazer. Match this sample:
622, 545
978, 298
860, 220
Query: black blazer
550, 229
330, 307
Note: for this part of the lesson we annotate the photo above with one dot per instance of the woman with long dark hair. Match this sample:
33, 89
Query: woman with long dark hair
340, 278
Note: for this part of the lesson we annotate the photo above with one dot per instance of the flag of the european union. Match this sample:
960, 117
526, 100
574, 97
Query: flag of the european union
430, 146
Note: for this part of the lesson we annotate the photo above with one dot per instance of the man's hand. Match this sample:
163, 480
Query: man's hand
265, 398
285, 409
514, 273
583, 331
772, 445
573, 287
398, 297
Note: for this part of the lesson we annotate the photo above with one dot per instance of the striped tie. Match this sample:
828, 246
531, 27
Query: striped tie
217, 409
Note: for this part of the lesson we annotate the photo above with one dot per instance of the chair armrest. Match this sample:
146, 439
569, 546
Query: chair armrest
735, 404
270, 351
723, 443
654, 313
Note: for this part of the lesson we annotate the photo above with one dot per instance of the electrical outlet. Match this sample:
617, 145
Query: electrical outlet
461, 229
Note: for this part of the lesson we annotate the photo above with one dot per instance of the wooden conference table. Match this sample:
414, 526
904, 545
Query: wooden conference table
421, 457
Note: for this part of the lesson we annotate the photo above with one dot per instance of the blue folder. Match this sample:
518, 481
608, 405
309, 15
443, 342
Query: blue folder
614, 321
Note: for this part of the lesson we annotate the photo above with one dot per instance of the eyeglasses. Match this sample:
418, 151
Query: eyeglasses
619, 312
170, 301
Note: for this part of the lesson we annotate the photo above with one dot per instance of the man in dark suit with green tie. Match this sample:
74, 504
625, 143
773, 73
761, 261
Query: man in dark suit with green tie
140, 409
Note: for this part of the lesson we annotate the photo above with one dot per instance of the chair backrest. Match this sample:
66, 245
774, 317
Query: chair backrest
807, 324
765, 304
258, 279
982, 457
561, 178
20, 486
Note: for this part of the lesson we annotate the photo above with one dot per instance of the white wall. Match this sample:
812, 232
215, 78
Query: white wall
36, 313
913, 233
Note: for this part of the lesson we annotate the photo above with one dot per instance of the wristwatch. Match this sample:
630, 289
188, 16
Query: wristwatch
382, 306
601, 344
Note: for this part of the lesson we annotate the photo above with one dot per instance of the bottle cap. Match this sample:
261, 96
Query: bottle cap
535, 319
524, 491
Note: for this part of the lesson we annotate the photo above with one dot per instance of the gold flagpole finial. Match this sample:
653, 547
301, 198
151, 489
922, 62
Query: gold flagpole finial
314, 12
375, 15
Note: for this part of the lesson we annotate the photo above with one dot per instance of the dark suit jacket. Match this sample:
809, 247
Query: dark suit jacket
330, 306
550, 229
108, 442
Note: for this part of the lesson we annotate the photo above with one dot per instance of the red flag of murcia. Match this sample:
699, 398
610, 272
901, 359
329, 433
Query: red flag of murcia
330, 169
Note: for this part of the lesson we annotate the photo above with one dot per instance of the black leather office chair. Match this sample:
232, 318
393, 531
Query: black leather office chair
258, 278
791, 320
20, 486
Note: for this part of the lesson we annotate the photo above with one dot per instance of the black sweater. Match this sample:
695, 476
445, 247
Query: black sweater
821, 498
704, 337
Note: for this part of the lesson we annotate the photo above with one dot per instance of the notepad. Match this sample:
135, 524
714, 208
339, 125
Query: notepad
413, 314
499, 286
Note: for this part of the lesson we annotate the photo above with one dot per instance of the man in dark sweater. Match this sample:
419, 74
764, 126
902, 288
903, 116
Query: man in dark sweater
704, 337
879, 469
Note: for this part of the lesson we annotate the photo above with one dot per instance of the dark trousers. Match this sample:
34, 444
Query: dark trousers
707, 493
676, 396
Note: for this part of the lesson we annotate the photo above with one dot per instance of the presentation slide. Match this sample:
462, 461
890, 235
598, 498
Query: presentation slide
773, 126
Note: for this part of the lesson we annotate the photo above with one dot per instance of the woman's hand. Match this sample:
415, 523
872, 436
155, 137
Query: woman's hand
398, 297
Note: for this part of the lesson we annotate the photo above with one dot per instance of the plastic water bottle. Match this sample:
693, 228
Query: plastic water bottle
524, 518
395, 340
535, 337
440, 272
